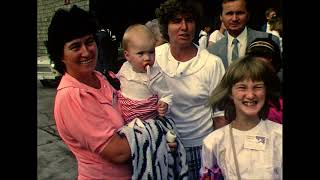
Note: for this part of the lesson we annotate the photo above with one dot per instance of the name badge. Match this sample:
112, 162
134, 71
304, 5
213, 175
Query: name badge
255, 142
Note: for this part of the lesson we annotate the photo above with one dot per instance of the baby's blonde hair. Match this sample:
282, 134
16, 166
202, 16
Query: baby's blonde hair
136, 30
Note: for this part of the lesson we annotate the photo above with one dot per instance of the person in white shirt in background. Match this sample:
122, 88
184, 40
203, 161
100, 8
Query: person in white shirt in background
143, 91
250, 147
269, 14
154, 27
217, 34
276, 28
203, 37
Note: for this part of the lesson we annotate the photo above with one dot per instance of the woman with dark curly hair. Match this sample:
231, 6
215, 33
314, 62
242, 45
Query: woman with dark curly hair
85, 111
250, 147
191, 74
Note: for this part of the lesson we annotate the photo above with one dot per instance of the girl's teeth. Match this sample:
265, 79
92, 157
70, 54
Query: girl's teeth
250, 103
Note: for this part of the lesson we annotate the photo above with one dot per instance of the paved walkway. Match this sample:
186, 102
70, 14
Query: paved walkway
55, 161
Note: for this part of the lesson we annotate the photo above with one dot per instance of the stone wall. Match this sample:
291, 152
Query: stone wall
45, 11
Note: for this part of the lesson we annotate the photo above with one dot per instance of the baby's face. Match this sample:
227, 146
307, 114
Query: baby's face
140, 53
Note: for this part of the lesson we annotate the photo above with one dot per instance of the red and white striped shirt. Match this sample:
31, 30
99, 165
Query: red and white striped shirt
142, 109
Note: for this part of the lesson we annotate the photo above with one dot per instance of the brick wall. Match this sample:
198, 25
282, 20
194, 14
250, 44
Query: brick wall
45, 11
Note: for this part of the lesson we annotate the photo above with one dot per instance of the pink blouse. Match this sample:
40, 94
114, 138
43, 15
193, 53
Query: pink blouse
86, 118
274, 114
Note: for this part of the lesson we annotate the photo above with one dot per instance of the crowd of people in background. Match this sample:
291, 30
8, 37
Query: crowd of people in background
187, 101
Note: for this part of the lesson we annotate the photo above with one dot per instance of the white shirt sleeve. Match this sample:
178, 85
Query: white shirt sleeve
208, 158
212, 37
218, 74
203, 42
215, 36
162, 90
217, 113
158, 85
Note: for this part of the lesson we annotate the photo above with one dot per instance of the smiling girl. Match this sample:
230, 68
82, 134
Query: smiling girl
250, 147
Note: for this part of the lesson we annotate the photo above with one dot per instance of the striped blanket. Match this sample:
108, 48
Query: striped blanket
151, 155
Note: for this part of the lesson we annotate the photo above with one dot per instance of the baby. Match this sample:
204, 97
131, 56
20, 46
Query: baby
143, 92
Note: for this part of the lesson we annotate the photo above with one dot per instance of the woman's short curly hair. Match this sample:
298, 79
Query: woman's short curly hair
171, 8
64, 27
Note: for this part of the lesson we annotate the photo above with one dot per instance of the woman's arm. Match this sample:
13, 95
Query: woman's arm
219, 122
91, 128
117, 150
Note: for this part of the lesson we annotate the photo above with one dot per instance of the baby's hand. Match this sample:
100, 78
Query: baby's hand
171, 140
162, 108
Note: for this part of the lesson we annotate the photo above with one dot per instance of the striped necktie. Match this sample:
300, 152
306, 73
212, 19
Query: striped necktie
235, 54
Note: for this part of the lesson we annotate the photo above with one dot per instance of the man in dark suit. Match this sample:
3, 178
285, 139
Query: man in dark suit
235, 16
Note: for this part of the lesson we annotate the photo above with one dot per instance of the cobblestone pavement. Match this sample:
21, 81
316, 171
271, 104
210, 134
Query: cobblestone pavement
55, 161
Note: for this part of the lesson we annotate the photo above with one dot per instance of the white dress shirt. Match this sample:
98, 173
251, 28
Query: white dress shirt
242, 45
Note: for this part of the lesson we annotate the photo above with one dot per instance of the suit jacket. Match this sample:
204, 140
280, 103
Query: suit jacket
220, 47
264, 27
